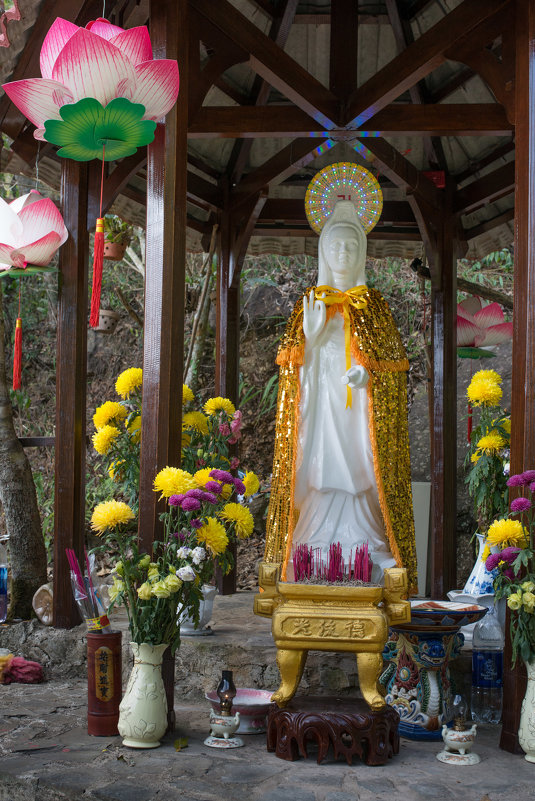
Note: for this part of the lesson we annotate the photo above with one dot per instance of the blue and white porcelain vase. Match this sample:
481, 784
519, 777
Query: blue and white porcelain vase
481, 580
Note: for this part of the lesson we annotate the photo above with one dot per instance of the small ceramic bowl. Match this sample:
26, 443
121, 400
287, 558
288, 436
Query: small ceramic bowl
252, 706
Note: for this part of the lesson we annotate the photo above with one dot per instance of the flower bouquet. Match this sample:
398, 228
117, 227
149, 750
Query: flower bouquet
512, 540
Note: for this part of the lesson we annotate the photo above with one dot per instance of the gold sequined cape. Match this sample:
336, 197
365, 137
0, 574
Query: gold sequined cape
377, 346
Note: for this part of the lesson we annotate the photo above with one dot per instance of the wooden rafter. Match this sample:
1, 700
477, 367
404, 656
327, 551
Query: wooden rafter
503, 149
343, 48
488, 225
471, 119
496, 184
270, 61
419, 58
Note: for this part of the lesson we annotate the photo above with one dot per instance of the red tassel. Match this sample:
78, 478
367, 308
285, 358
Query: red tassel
98, 261
17, 356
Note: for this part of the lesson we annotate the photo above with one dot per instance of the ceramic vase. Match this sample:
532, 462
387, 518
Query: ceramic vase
143, 710
526, 730
187, 626
481, 581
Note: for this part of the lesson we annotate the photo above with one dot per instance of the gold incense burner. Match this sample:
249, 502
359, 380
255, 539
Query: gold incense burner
321, 617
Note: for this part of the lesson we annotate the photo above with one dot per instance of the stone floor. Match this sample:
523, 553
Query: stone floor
47, 755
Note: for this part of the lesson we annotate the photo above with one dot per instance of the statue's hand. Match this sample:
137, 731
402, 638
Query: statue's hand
357, 377
314, 316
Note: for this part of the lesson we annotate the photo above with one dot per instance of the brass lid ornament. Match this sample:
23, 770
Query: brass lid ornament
343, 181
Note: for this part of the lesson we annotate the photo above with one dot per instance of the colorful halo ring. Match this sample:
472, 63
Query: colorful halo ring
343, 181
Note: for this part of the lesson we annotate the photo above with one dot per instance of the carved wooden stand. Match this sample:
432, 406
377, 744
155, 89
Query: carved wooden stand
349, 725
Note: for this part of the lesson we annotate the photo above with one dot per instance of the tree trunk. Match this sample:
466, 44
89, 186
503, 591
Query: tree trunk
19, 500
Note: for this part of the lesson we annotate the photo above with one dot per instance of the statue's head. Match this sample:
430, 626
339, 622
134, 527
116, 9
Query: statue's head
342, 247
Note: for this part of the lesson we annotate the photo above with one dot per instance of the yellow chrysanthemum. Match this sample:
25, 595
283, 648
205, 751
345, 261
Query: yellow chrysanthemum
241, 517
115, 469
134, 428
203, 475
503, 422
213, 535
187, 394
186, 439
108, 411
226, 491
215, 405
484, 392
110, 514
251, 483
104, 438
487, 375
486, 553
491, 443
128, 381
173, 481
195, 420
507, 532
475, 457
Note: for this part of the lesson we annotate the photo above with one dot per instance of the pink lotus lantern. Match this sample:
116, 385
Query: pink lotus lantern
100, 95
32, 229
479, 327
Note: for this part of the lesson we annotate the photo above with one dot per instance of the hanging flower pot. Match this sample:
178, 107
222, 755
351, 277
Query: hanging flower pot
107, 321
143, 710
114, 251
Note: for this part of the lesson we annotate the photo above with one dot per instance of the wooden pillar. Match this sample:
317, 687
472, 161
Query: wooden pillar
165, 268
443, 425
523, 379
163, 343
71, 367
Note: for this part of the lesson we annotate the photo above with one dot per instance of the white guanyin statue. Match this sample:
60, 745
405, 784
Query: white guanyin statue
341, 469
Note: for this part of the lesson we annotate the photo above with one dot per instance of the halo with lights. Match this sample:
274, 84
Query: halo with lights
343, 181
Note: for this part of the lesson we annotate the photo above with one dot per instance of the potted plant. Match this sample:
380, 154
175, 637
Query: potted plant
117, 236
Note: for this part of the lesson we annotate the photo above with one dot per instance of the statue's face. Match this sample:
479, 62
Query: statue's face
344, 250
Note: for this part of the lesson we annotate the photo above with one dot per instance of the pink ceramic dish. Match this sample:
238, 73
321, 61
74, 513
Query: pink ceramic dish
252, 706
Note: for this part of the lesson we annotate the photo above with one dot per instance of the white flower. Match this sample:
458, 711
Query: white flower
198, 555
186, 573
183, 552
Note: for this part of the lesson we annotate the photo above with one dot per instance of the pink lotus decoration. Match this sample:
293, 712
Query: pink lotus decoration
32, 229
102, 62
479, 326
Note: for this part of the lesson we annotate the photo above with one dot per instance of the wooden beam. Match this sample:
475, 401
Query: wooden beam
407, 119
451, 85
523, 357
418, 59
343, 59
293, 210
71, 377
271, 62
488, 225
491, 187
476, 165
378, 234
200, 189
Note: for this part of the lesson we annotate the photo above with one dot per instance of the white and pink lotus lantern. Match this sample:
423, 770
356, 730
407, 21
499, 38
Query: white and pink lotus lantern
479, 327
31, 231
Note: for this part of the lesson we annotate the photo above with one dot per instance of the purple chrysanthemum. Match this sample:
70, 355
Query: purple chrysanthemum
196, 493
240, 486
195, 523
190, 504
222, 475
515, 481
492, 561
214, 487
509, 554
209, 497
532, 487
528, 476
175, 500
520, 505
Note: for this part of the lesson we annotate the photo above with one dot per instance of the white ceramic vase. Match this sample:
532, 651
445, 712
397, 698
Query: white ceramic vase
526, 730
481, 581
143, 710
187, 625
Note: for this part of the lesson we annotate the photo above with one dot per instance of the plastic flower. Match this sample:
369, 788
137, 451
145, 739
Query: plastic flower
187, 394
31, 231
173, 481
241, 517
195, 420
214, 536
145, 591
104, 438
484, 391
506, 531
173, 582
128, 381
160, 590
215, 405
109, 515
479, 326
101, 61
520, 505
110, 410
251, 483
514, 601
